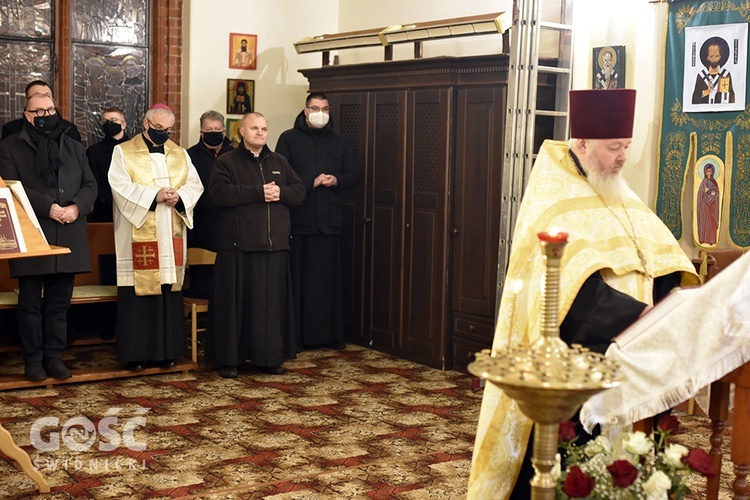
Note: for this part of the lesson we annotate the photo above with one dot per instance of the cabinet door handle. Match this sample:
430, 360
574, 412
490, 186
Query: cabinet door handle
472, 328
455, 230
367, 220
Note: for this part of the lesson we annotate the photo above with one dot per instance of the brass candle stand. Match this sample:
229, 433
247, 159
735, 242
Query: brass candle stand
548, 379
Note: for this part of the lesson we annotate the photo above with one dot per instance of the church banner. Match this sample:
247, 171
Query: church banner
704, 149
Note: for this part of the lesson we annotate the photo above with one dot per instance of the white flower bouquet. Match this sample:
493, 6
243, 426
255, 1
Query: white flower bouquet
649, 467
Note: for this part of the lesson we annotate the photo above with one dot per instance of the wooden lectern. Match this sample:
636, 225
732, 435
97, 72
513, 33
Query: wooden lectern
36, 246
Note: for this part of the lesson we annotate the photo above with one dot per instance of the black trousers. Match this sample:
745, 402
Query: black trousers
42, 321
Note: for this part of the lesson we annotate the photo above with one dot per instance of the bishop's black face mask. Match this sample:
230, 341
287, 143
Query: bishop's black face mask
158, 137
46, 123
111, 129
213, 139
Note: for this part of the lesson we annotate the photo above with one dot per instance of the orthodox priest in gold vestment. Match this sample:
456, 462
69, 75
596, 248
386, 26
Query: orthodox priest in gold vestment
620, 259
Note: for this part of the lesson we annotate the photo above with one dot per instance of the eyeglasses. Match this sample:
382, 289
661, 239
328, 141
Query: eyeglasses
42, 112
316, 109
167, 130
213, 130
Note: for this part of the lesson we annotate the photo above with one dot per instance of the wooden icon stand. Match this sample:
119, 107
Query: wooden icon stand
36, 246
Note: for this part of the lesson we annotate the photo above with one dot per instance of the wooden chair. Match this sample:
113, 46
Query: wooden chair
194, 305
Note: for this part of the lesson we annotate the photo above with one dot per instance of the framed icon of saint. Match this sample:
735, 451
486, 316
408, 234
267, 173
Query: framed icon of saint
243, 51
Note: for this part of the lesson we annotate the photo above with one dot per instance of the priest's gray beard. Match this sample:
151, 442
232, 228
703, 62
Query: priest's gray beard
611, 187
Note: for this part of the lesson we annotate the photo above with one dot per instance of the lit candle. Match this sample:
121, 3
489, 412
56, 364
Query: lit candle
553, 235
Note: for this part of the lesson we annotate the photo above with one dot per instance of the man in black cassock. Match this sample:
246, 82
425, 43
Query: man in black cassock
325, 163
251, 315
212, 144
100, 156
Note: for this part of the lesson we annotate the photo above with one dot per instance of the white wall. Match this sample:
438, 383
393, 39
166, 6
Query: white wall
358, 15
279, 89
641, 27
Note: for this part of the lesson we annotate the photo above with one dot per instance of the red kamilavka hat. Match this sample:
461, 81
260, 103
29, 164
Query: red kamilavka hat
602, 113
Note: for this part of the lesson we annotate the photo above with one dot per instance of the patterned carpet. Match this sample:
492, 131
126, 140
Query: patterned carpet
695, 432
346, 424
339, 424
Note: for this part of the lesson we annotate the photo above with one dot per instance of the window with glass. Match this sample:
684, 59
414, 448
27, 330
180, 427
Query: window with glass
26, 48
109, 58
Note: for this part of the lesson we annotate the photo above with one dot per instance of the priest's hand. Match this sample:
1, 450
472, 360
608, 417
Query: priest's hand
329, 180
271, 192
319, 180
167, 195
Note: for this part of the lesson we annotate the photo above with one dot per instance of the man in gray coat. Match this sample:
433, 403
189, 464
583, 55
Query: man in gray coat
61, 188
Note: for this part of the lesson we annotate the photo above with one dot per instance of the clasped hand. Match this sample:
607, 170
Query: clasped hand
64, 215
271, 192
167, 195
325, 180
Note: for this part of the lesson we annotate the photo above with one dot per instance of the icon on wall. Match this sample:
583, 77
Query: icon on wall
609, 67
240, 96
715, 68
242, 50
233, 130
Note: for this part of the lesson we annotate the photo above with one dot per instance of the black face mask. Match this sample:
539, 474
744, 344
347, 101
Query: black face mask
213, 139
45, 124
111, 129
158, 137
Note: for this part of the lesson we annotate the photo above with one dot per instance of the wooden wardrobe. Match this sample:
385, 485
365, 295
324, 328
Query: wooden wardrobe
421, 233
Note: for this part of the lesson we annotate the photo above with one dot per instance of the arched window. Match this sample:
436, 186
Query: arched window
94, 54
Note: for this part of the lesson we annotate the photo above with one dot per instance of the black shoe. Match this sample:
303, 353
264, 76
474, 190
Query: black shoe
167, 363
274, 370
228, 371
338, 346
55, 368
34, 371
136, 366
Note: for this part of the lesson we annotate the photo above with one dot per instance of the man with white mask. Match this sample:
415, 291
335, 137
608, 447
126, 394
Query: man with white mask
325, 163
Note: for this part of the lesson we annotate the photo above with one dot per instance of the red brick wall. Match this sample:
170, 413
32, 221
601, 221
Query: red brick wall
166, 56
64, 76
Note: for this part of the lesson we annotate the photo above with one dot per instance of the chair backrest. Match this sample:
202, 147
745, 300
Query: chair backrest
200, 257
722, 258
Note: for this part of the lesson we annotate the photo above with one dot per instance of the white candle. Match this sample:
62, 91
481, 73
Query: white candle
515, 287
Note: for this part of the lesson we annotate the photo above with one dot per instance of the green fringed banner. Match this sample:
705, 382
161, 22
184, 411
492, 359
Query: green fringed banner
705, 136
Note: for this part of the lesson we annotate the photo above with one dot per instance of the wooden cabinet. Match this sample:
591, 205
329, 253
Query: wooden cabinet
480, 129
420, 248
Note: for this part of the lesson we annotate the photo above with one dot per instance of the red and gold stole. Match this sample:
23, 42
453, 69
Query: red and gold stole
146, 252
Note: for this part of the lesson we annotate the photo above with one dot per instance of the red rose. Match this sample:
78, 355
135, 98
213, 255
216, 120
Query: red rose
668, 424
700, 462
623, 473
567, 432
577, 484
